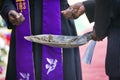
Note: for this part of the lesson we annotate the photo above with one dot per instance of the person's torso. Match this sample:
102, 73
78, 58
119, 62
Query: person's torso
36, 12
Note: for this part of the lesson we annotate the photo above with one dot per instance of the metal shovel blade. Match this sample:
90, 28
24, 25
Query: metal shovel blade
60, 41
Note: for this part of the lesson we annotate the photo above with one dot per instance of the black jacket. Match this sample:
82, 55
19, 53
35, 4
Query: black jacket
71, 59
100, 12
106, 14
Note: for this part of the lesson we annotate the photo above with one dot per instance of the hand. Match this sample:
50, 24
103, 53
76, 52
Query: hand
94, 37
74, 11
15, 18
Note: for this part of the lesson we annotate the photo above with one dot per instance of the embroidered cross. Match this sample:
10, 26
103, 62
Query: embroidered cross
24, 76
21, 5
52, 65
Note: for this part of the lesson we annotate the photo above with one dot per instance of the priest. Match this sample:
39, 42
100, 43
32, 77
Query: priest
32, 61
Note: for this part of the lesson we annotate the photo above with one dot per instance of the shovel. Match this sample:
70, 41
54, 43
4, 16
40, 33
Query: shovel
61, 41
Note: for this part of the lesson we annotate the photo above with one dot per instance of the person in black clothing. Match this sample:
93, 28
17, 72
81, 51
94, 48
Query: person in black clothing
106, 15
71, 57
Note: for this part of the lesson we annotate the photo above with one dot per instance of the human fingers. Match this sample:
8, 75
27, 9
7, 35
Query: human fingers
78, 12
67, 13
16, 18
19, 19
13, 15
81, 10
94, 36
22, 18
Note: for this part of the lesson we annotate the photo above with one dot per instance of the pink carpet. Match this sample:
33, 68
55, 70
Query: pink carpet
95, 70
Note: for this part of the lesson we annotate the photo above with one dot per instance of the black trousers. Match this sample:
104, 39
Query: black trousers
114, 78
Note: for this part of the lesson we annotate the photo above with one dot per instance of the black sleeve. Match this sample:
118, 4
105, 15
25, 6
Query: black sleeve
7, 6
102, 17
90, 9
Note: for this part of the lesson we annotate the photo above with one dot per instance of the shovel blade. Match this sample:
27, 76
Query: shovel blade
60, 41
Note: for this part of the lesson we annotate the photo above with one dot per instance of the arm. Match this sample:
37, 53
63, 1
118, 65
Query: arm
10, 14
77, 9
102, 18
89, 9
95, 12
7, 6
100, 15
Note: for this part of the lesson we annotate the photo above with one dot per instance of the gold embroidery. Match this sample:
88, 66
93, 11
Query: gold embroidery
21, 5
20, 0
